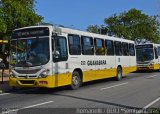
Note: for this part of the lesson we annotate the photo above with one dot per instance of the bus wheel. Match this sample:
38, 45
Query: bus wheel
119, 74
76, 80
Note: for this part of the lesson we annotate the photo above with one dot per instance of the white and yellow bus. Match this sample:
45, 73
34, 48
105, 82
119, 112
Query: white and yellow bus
49, 56
148, 56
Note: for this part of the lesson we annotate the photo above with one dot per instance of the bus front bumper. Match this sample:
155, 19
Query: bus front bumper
38, 82
148, 67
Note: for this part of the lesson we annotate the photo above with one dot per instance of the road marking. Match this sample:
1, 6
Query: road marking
114, 86
15, 110
4, 94
151, 76
153, 102
28, 90
37, 104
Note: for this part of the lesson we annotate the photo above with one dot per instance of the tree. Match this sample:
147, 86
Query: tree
15, 14
134, 25
97, 29
93, 28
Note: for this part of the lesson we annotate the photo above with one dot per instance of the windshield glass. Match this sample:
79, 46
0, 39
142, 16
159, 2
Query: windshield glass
30, 52
145, 54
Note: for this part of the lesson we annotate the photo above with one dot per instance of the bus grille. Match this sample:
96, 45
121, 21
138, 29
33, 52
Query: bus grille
27, 81
143, 62
34, 76
27, 71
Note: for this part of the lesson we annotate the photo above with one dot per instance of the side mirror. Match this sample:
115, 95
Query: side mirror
56, 54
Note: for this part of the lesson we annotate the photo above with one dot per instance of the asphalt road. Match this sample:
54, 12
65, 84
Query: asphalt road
136, 91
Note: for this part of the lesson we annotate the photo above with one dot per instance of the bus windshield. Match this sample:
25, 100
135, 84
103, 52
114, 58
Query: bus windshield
30, 52
145, 54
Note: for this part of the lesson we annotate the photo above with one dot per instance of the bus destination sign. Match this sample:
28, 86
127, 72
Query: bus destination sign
144, 46
30, 32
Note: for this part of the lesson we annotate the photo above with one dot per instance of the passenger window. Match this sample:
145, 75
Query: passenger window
131, 50
87, 46
99, 46
156, 53
109, 47
118, 48
159, 51
125, 49
74, 44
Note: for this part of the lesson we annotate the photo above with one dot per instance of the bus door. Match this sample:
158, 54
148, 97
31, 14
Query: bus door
60, 66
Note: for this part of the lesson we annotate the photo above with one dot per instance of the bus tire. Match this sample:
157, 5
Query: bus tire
76, 80
118, 74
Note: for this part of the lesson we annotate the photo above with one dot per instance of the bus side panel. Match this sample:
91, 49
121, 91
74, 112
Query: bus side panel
61, 74
133, 63
99, 74
62, 79
156, 66
88, 75
125, 64
129, 69
108, 70
83, 63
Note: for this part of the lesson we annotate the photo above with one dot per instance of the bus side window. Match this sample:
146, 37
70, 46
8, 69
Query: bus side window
109, 47
158, 50
125, 49
156, 53
118, 48
52, 44
99, 46
87, 45
74, 44
131, 50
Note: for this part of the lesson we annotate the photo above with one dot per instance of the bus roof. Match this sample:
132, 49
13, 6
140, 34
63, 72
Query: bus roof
32, 27
89, 34
154, 44
78, 32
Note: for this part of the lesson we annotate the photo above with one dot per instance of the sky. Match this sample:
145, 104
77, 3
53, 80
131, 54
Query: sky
79, 14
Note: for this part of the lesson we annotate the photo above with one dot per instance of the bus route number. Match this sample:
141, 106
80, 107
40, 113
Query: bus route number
83, 62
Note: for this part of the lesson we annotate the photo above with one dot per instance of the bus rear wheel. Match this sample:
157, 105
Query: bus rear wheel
119, 74
76, 80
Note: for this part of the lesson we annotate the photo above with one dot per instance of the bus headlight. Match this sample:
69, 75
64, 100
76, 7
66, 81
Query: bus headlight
152, 63
44, 73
